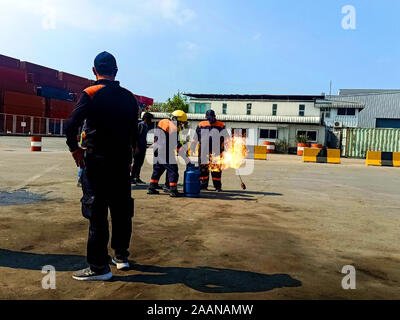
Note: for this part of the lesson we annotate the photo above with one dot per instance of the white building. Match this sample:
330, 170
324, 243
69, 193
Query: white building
263, 118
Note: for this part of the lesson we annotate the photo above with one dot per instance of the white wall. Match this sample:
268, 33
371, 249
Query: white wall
262, 107
286, 132
347, 121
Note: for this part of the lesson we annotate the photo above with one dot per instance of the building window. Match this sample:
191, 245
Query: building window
302, 109
346, 112
311, 134
202, 107
239, 132
268, 134
274, 109
248, 109
224, 107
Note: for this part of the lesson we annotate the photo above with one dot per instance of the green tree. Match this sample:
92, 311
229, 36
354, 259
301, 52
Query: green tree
177, 102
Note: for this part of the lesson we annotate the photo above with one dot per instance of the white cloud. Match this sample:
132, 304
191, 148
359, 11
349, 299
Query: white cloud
100, 15
189, 50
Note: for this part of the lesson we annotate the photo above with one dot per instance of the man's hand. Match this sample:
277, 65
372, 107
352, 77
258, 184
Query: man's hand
78, 157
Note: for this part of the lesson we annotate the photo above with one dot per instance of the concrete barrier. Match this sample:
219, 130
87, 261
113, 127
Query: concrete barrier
257, 152
383, 159
321, 155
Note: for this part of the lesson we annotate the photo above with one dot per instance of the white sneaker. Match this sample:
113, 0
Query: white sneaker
89, 275
121, 264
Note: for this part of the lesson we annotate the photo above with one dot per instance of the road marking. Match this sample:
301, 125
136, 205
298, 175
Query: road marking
34, 178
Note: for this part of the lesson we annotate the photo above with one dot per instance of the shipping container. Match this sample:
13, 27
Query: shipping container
54, 93
25, 100
74, 87
59, 109
15, 75
68, 77
145, 100
21, 87
24, 110
9, 62
43, 80
39, 70
356, 142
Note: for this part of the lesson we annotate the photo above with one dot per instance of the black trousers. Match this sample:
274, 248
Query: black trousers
205, 177
138, 160
106, 185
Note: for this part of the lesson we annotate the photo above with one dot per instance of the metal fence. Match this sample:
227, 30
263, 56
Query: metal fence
11, 124
357, 141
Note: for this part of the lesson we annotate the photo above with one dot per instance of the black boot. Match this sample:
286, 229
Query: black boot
152, 191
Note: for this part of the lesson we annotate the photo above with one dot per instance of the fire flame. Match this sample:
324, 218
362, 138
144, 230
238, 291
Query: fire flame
233, 156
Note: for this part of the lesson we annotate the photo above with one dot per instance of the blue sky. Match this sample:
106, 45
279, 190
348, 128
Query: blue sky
259, 46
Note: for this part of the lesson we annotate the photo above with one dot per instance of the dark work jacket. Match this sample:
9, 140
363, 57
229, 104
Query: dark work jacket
111, 114
143, 128
205, 127
166, 141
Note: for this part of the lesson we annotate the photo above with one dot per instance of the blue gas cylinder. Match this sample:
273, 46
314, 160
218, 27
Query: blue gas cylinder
191, 184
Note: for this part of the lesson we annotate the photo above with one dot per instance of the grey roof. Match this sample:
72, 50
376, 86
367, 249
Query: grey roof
249, 97
385, 105
334, 104
248, 118
350, 92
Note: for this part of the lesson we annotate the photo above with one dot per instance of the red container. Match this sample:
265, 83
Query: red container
9, 62
25, 100
59, 115
75, 87
39, 70
43, 80
60, 105
21, 87
14, 75
24, 110
68, 77
145, 100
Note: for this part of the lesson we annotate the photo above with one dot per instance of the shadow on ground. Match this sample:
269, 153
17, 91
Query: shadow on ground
238, 195
203, 279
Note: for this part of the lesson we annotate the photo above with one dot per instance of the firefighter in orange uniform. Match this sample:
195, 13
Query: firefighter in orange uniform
166, 141
212, 133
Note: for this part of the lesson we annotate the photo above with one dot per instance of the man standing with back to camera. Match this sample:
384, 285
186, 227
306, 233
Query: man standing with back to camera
111, 114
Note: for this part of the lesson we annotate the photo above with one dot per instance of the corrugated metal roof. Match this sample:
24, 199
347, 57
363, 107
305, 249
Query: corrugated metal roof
246, 118
250, 97
339, 104
351, 92
381, 105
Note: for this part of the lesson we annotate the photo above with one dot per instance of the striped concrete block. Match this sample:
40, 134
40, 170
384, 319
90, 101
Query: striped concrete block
257, 152
383, 159
321, 155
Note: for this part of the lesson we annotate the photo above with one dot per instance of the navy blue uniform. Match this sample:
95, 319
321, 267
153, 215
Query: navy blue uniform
138, 157
111, 114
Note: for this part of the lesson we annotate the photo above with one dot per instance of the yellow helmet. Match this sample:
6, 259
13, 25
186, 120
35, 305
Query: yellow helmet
180, 115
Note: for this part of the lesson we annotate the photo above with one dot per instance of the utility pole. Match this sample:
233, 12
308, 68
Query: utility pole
330, 88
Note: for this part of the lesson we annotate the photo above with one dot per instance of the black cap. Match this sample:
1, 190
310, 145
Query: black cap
106, 64
147, 115
210, 116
